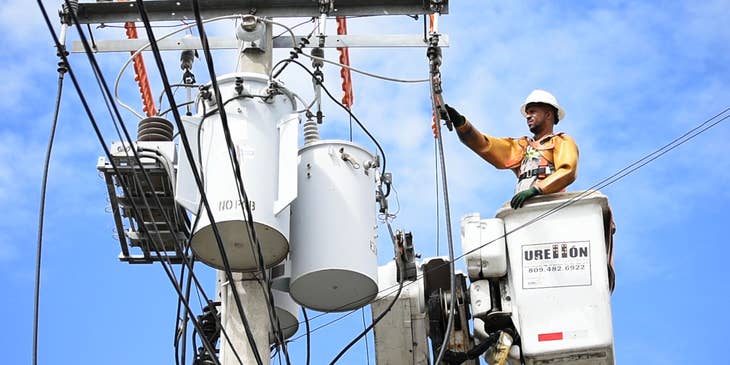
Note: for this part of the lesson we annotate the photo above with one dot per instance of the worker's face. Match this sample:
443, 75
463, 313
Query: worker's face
539, 118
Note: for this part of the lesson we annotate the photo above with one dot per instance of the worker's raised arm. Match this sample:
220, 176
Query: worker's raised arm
502, 153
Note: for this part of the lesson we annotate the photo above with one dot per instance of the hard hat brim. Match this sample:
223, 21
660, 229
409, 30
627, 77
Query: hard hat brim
561, 111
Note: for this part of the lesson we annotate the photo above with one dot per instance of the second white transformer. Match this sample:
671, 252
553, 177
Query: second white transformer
333, 228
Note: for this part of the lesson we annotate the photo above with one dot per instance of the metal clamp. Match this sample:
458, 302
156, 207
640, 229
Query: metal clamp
348, 158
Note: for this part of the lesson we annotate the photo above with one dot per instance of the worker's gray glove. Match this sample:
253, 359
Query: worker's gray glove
456, 119
519, 199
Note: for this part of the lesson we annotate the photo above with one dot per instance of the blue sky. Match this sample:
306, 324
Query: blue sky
632, 76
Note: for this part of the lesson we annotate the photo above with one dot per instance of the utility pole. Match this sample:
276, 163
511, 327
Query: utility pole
253, 300
263, 120
255, 56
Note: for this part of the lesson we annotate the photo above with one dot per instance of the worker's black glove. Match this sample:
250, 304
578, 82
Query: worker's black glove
456, 119
519, 199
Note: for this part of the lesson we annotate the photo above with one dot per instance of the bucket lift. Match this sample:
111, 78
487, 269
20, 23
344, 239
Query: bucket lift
544, 273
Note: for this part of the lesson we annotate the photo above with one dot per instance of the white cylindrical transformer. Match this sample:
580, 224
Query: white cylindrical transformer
334, 233
263, 128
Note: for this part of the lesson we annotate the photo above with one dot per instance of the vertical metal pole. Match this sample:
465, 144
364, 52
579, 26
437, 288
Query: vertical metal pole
253, 299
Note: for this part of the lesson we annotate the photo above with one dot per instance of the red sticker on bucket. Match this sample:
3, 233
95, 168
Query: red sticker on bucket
555, 336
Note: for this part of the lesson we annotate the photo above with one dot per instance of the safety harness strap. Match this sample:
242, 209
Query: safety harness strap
540, 171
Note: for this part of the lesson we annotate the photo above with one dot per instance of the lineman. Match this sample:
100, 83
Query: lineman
543, 164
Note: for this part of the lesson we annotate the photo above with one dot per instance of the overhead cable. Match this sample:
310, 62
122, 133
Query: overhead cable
434, 56
365, 130
387, 309
692, 133
246, 206
166, 264
307, 333
684, 138
96, 128
386, 78
384, 292
181, 129
147, 45
62, 69
370, 74
117, 121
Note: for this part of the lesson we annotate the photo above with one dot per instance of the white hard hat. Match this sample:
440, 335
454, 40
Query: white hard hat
542, 96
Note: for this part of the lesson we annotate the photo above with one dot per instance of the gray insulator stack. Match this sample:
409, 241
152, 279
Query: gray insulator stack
155, 129
311, 132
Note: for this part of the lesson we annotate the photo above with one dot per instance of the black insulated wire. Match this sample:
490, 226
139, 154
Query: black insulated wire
183, 321
365, 130
387, 309
701, 128
99, 135
685, 137
181, 327
308, 333
117, 121
107, 97
603, 183
447, 210
246, 206
401, 272
367, 347
164, 259
62, 69
188, 152
621, 176
297, 49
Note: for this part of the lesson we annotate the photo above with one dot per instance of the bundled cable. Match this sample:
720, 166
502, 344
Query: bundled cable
95, 125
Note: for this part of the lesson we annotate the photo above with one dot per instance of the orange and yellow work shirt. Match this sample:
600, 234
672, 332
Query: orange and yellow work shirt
558, 152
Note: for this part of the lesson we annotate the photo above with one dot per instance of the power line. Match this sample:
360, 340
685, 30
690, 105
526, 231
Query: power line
148, 45
364, 325
307, 333
246, 206
391, 290
387, 309
102, 83
99, 135
621, 174
117, 122
367, 132
692, 133
181, 129
434, 78
41, 210
298, 51
617, 176
167, 266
